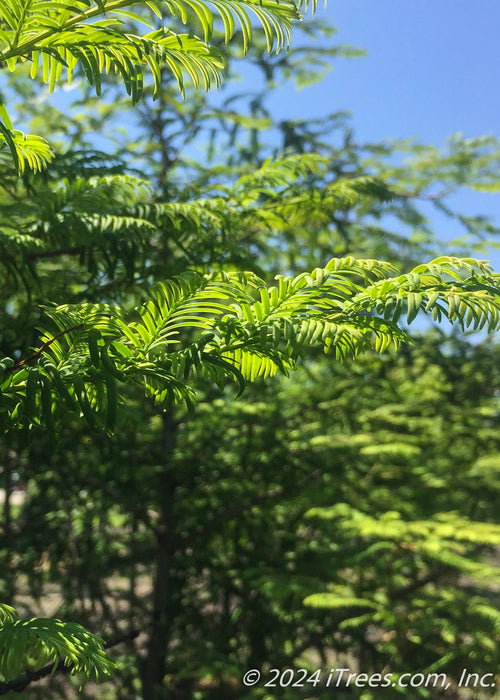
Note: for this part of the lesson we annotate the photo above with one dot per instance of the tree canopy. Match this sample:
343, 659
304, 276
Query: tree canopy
298, 522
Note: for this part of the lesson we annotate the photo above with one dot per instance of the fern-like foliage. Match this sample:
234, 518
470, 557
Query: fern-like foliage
447, 543
223, 326
26, 149
32, 643
115, 228
59, 37
93, 219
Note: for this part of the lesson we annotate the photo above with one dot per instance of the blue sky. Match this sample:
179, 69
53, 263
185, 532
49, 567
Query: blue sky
432, 69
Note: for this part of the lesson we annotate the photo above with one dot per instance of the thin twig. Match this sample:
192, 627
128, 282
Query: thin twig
36, 355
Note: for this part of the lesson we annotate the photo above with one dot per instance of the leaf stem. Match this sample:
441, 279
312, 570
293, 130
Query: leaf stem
36, 355
27, 46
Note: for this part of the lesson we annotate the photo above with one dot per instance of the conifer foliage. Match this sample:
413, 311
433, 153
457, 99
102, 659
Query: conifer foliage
114, 324
47, 640
244, 329
58, 37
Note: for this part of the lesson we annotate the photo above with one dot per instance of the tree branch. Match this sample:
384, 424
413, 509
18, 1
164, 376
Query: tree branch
18, 684
34, 255
36, 355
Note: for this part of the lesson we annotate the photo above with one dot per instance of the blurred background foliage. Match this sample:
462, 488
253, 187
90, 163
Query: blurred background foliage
347, 516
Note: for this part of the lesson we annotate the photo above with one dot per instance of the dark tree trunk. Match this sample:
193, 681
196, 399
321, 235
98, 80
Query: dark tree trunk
153, 665
10, 465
